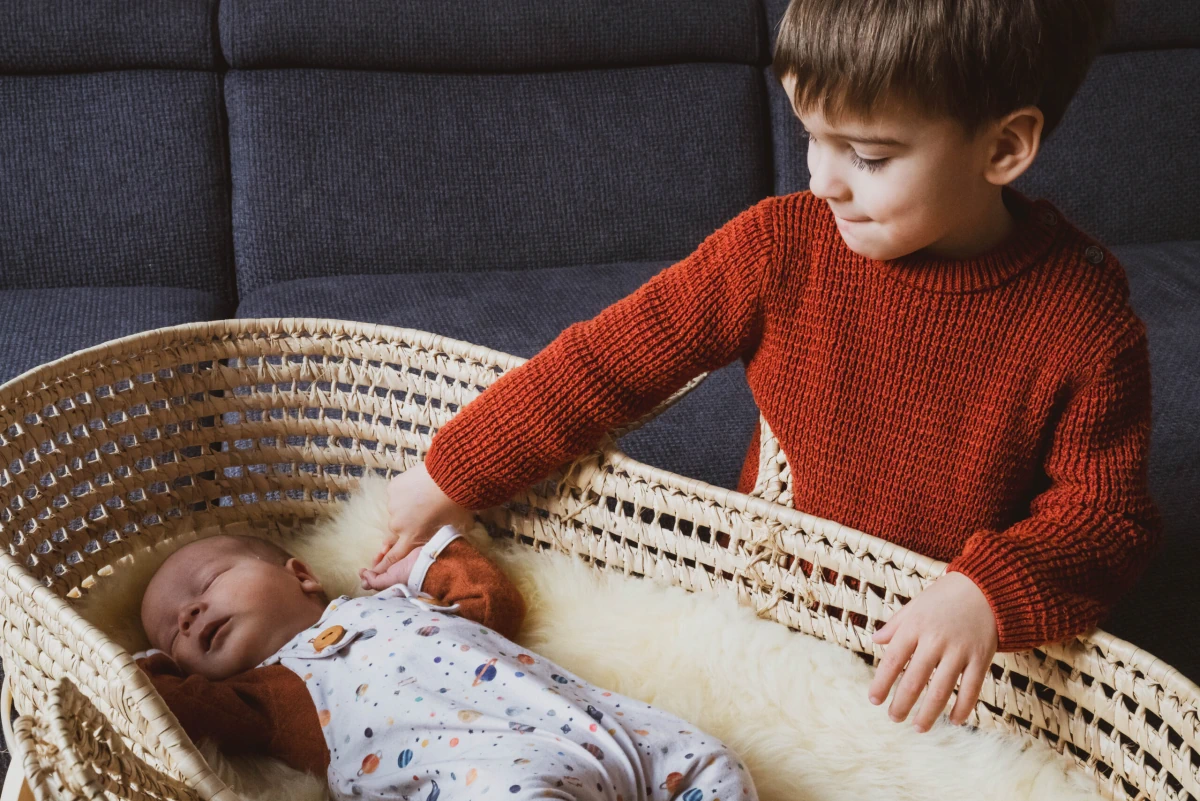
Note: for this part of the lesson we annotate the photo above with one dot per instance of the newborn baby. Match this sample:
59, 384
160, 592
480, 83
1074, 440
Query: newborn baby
415, 692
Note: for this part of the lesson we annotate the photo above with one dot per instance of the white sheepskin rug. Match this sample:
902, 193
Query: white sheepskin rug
794, 707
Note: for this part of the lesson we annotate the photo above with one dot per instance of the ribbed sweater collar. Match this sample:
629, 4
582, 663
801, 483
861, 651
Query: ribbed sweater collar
1035, 226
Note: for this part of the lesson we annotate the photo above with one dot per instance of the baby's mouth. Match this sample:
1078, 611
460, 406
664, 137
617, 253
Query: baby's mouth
210, 632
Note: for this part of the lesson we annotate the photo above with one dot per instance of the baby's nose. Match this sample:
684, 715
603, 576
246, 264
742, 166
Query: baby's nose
188, 617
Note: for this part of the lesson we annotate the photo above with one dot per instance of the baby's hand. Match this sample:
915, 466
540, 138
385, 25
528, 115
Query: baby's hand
398, 573
417, 508
948, 631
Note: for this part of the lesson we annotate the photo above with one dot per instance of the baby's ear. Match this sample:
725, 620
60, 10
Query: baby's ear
308, 581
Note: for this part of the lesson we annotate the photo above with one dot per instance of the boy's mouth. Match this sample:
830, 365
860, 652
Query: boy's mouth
209, 635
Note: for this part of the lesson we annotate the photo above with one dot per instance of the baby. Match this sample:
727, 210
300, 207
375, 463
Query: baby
415, 692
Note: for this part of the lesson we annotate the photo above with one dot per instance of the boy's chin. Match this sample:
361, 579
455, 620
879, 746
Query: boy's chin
875, 252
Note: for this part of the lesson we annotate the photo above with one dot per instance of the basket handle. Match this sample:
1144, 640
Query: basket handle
91, 758
26, 743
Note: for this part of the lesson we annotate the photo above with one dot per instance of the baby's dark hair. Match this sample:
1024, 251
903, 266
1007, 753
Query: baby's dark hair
971, 60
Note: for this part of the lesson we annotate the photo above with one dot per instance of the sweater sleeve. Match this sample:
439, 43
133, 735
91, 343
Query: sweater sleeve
696, 315
1091, 533
265, 711
462, 575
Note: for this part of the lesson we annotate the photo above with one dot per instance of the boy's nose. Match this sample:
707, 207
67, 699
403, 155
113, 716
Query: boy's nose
824, 182
825, 185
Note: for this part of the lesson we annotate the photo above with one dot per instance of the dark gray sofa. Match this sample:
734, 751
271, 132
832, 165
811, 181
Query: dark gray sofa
497, 171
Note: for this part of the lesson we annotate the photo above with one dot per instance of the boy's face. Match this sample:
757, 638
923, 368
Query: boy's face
901, 181
218, 608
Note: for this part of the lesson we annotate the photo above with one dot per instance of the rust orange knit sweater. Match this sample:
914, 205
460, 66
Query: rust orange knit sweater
993, 413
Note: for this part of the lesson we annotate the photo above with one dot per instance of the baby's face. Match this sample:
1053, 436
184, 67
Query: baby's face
219, 608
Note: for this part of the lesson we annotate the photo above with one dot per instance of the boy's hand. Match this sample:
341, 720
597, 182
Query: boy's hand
948, 631
417, 508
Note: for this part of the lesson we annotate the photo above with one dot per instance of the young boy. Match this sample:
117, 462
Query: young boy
956, 368
400, 695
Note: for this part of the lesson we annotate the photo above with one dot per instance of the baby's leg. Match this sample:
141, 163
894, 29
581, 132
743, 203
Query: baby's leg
684, 763
532, 774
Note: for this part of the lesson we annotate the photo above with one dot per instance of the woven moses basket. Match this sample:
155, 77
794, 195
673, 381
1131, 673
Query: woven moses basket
266, 423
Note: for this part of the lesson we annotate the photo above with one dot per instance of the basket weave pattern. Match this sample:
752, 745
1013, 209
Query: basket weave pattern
264, 424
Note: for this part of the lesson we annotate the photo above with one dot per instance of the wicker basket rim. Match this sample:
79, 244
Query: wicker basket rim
27, 383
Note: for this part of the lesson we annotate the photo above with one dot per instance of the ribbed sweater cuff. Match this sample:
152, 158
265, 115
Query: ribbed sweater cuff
450, 477
1008, 590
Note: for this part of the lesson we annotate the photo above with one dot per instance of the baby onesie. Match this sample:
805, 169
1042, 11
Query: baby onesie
418, 703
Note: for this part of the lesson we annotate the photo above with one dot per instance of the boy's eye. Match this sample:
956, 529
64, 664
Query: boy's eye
870, 165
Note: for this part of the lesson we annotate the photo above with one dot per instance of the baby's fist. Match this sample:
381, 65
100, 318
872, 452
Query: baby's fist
397, 573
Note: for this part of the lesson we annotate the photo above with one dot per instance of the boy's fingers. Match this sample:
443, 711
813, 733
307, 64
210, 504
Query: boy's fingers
934, 702
914, 680
968, 691
390, 558
889, 668
884, 635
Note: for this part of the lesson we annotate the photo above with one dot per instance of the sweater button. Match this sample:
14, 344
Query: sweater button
1094, 254
1048, 217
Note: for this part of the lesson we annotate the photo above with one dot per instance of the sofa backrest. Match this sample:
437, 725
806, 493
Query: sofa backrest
383, 136
113, 167
1123, 163
378, 136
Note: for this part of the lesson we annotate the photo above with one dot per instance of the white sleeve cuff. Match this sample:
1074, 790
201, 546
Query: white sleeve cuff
147, 653
429, 554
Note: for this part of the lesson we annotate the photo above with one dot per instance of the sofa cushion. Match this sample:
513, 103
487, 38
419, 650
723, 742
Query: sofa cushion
1142, 24
520, 312
351, 172
1123, 163
39, 325
114, 179
482, 35
66, 35
1160, 614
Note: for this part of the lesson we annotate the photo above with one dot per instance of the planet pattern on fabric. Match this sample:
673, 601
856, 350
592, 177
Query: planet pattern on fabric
370, 764
485, 672
428, 631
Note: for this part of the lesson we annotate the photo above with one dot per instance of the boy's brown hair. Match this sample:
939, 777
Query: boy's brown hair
971, 60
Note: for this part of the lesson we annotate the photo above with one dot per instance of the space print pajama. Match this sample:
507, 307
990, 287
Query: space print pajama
417, 703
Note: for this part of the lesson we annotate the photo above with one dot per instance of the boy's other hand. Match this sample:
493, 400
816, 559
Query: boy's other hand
946, 632
417, 508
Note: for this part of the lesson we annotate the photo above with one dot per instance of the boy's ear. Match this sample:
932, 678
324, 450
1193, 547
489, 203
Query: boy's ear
1015, 140
308, 582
